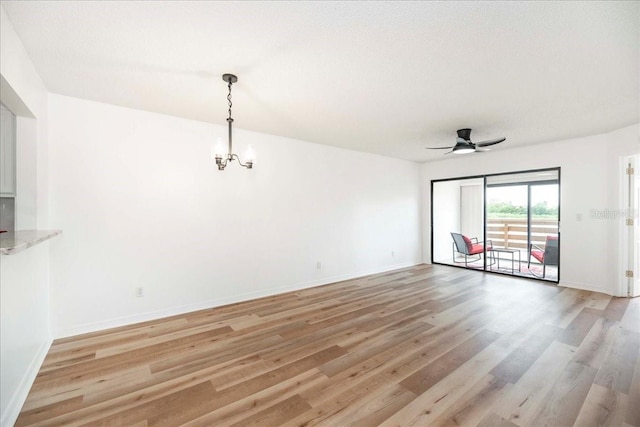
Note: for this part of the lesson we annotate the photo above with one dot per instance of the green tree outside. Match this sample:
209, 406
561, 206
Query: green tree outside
507, 210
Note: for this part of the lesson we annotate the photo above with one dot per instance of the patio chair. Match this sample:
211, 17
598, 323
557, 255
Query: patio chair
546, 256
469, 247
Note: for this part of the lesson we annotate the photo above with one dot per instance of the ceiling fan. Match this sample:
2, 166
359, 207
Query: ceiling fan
464, 144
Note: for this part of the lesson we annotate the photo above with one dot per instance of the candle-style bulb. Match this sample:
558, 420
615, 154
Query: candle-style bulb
250, 155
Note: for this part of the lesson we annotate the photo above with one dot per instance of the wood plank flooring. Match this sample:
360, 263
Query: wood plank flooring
422, 346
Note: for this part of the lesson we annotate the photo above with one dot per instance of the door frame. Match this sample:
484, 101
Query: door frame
629, 234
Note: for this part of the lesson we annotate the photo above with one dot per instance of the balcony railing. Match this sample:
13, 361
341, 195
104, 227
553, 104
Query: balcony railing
512, 232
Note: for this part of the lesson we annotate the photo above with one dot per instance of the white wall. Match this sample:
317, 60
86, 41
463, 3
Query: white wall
24, 334
24, 310
589, 180
141, 203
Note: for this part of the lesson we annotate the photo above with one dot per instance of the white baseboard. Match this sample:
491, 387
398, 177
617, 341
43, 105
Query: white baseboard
203, 305
585, 287
11, 412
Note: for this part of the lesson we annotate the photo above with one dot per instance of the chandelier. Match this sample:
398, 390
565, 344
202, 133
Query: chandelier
223, 158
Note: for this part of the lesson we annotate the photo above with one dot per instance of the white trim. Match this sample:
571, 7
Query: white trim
584, 287
14, 406
634, 233
203, 305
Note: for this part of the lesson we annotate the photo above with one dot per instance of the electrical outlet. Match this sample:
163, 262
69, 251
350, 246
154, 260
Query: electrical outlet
318, 265
139, 292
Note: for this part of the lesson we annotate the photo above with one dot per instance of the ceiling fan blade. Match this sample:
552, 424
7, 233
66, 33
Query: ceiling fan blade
490, 142
465, 146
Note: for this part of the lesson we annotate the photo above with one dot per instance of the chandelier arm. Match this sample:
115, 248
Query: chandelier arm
247, 165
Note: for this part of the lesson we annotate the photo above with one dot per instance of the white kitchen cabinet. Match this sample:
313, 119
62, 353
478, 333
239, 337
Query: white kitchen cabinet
7, 153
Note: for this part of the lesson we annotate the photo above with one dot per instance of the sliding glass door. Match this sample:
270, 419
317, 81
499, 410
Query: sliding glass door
523, 223
505, 223
458, 213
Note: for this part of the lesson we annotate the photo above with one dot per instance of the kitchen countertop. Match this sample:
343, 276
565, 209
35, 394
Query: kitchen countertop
13, 242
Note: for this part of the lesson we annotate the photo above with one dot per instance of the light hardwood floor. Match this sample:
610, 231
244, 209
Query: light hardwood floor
424, 346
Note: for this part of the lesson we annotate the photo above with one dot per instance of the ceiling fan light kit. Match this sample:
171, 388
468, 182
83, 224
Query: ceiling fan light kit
462, 149
465, 146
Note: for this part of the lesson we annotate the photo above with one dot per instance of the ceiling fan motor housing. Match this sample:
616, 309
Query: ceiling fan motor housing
464, 134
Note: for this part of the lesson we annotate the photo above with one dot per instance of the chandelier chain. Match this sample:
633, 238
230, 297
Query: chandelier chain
229, 99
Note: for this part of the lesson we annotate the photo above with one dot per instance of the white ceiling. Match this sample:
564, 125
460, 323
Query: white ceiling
382, 77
